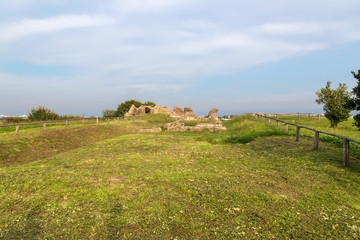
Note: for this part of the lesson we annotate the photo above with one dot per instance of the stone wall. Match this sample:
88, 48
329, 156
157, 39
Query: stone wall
187, 113
145, 109
179, 126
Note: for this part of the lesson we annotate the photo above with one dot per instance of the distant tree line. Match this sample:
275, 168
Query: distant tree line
125, 107
45, 114
339, 102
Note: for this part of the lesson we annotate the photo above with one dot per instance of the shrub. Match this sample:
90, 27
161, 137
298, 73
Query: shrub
42, 114
15, 120
70, 116
125, 107
109, 113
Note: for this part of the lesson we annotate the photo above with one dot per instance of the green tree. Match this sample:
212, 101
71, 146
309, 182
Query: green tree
149, 103
125, 107
355, 101
109, 113
42, 114
336, 103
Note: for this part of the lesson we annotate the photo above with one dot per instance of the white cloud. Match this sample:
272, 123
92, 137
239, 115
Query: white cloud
245, 42
148, 5
198, 24
293, 28
28, 27
331, 32
168, 46
290, 102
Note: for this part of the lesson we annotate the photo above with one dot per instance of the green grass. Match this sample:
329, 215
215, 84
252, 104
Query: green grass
346, 128
242, 130
48, 125
182, 186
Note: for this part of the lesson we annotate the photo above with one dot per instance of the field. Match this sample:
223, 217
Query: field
110, 182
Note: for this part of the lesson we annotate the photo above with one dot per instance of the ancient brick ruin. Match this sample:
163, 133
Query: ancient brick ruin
145, 109
182, 116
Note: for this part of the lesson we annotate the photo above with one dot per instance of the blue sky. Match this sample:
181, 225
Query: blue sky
79, 57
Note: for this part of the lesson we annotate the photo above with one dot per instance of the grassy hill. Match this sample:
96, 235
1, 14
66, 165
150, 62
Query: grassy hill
110, 182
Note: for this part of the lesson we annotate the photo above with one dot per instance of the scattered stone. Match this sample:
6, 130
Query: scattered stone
150, 130
213, 114
180, 127
175, 126
189, 114
161, 110
178, 112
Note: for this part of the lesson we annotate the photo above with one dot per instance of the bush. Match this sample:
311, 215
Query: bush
70, 116
125, 107
109, 113
15, 120
42, 114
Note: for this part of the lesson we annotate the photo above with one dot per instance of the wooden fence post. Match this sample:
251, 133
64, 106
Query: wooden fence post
97, 120
269, 120
316, 140
297, 133
83, 122
44, 125
277, 123
108, 121
346, 151
286, 127
17, 129
66, 123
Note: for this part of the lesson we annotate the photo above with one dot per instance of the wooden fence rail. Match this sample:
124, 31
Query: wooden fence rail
346, 140
65, 121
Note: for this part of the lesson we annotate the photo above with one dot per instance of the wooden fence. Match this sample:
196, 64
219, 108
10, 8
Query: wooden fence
346, 140
66, 122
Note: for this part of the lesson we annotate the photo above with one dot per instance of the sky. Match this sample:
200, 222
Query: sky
82, 57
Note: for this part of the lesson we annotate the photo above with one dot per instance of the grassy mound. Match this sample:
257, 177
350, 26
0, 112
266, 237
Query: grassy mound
178, 186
